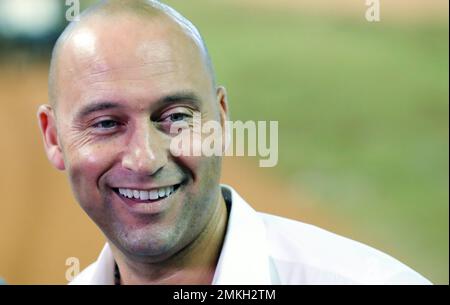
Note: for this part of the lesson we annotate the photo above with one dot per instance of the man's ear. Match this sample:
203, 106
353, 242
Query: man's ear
222, 100
47, 123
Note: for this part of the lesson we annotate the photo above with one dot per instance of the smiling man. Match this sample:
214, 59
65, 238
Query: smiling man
122, 79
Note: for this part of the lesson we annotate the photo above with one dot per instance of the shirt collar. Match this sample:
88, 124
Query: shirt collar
104, 268
243, 259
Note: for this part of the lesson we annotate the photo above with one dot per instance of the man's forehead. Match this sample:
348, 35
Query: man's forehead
96, 53
127, 46
132, 68
93, 57
115, 41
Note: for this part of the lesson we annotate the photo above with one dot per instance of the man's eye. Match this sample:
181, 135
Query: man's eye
106, 124
179, 116
175, 119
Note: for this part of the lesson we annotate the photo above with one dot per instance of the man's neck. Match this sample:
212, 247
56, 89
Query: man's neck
195, 264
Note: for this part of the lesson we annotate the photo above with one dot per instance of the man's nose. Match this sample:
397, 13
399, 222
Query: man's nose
145, 153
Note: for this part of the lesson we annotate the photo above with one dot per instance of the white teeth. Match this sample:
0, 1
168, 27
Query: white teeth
153, 194
143, 195
136, 194
146, 195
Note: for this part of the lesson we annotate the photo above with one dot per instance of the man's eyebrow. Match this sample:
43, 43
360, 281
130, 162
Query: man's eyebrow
85, 111
183, 96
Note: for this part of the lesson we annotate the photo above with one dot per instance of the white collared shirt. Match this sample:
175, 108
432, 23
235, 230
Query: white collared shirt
266, 249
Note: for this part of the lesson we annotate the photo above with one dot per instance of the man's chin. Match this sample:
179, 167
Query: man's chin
145, 246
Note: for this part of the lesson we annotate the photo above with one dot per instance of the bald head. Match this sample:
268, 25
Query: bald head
150, 15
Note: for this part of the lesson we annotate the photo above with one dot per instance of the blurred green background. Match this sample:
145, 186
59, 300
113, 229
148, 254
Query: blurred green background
362, 110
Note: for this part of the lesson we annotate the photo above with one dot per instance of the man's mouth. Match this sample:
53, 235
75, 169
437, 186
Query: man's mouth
149, 195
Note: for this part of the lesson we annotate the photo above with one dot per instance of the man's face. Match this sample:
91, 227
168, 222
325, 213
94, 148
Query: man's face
121, 85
